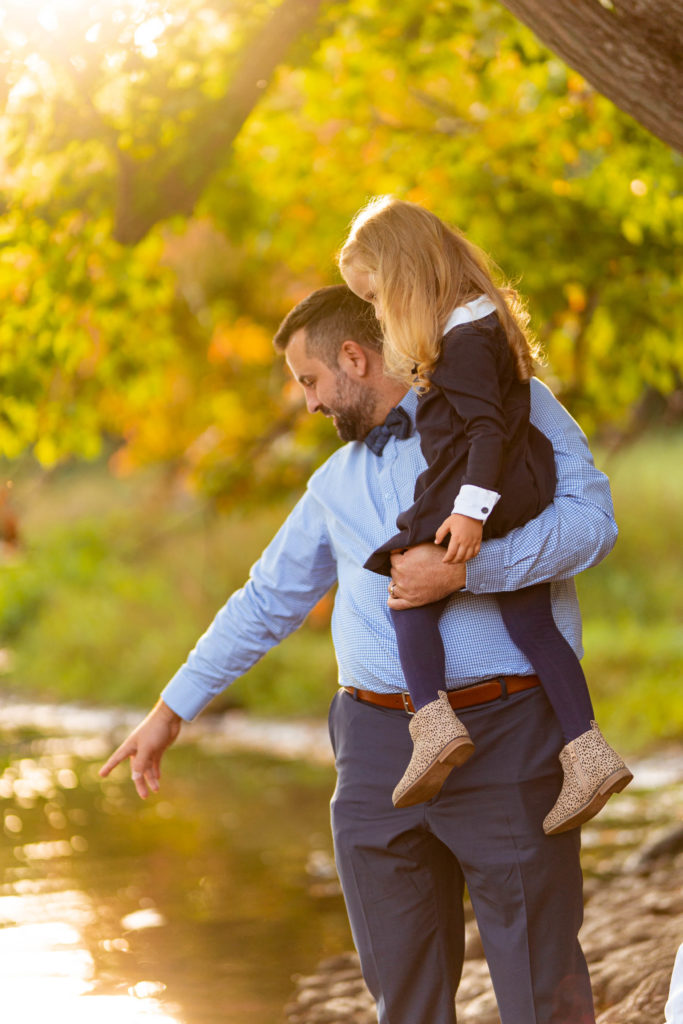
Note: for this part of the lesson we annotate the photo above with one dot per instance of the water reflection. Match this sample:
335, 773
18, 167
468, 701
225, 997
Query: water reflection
193, 908
48, 971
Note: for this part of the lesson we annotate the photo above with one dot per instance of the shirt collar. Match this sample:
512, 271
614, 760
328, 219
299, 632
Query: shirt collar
409, 403
477, 309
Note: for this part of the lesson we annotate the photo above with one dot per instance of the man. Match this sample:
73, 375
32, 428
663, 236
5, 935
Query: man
403, 871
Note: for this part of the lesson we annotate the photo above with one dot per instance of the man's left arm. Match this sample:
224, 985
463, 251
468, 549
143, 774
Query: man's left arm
577, 530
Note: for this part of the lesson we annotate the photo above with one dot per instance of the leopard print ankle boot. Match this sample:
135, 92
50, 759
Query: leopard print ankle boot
593, 771
440, 742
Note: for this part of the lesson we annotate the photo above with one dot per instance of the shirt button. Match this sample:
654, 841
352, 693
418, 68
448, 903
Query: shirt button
484, 510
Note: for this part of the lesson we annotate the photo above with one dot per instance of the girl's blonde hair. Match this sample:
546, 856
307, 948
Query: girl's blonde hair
421, 271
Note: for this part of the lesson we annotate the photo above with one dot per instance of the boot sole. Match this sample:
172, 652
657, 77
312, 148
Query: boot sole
614, 784
428, 784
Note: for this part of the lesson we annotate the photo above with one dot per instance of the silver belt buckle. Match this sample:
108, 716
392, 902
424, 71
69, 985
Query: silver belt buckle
405, 697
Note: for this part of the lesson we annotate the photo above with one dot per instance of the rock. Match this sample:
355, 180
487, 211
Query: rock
665, 844
644, 1005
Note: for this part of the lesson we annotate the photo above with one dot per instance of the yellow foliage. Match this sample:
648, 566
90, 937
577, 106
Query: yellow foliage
561, 188
575, 83
569, 151
632, 231
20, 293
46, 450
303, 213
243, 340
576, 296
419, 195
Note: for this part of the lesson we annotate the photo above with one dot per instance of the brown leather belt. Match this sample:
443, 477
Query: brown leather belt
466, 697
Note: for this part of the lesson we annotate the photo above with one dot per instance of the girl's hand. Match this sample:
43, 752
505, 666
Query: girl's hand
465, 537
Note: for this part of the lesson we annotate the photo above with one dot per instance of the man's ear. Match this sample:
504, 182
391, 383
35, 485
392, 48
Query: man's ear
353, 359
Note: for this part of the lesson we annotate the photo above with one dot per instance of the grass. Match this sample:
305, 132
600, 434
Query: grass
633, 603
117, 579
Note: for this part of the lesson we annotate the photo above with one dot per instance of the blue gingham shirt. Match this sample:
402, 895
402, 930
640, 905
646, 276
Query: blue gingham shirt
348, 510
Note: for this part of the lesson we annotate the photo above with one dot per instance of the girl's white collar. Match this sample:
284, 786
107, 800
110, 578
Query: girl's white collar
477, 309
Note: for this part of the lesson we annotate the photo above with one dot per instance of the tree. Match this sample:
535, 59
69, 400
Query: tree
162, 345
629, 51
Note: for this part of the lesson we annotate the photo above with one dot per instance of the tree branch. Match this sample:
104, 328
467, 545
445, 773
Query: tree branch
212, 133
629, 50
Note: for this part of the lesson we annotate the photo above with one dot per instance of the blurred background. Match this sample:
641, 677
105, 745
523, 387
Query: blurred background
174, 176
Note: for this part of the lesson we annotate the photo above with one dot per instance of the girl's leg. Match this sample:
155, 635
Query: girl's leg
528, 618
592, 770
420, 649
440, 740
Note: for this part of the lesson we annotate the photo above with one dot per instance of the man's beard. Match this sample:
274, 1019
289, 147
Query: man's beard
353, 411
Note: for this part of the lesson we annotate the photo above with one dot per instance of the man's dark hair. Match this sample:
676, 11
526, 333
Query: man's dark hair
331, 316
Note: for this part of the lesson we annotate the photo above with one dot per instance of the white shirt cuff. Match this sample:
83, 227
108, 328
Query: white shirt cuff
475, 502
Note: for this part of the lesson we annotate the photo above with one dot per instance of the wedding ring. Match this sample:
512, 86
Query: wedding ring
392, 587
135, 776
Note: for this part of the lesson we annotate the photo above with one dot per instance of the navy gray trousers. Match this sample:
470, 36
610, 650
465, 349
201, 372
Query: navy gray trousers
403, 872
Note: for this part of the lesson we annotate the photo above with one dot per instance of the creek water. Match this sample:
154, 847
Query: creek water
194, 907
199, 905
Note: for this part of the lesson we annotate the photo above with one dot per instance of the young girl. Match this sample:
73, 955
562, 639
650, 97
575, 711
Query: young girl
461, 342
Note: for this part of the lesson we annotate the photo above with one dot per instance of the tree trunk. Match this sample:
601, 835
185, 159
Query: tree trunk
630, 50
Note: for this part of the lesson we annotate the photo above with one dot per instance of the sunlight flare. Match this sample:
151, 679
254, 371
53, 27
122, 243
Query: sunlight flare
147, 18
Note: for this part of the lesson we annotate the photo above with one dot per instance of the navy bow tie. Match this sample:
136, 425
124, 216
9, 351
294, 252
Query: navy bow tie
397, 423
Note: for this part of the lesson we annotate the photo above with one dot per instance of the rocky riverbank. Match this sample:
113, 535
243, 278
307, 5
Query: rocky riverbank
633, 858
